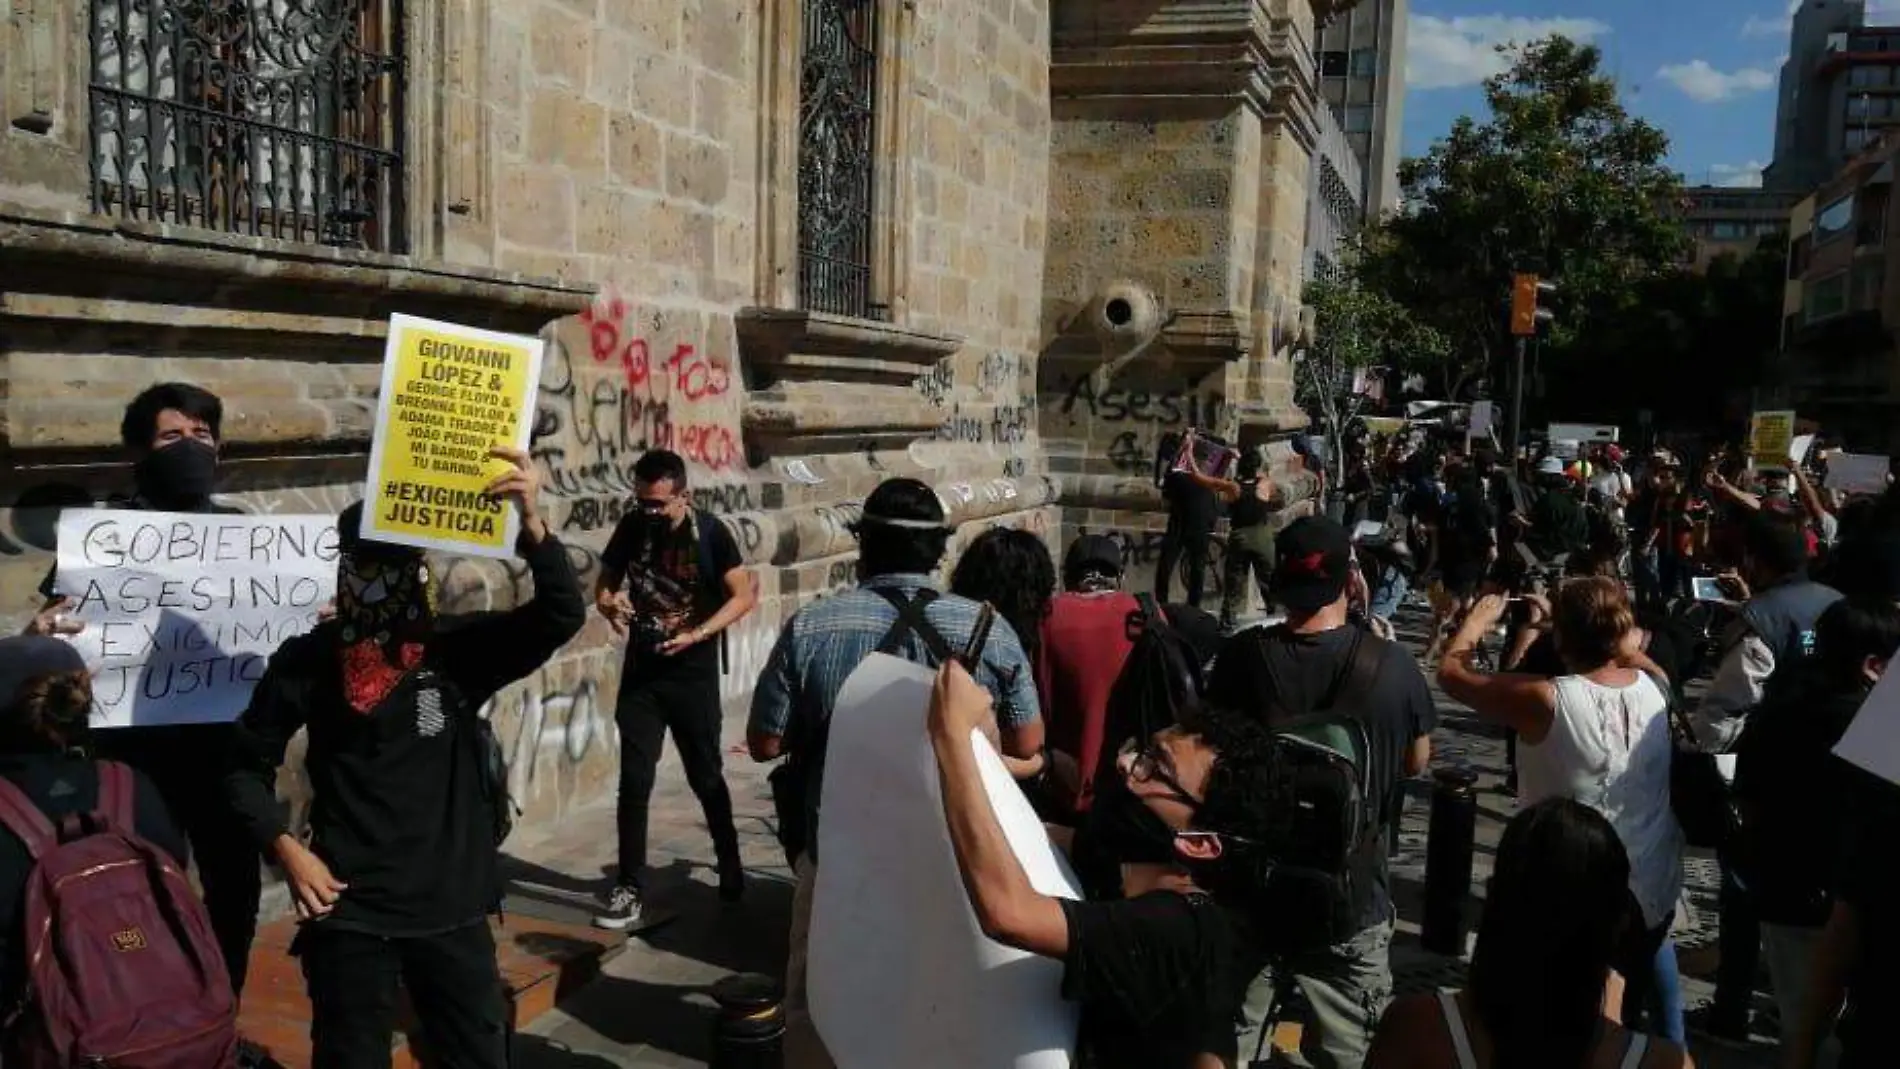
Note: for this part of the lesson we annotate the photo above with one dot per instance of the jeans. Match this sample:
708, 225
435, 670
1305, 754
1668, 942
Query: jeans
1790, 949
1348, 986
803, 1047
647, 708
1666, 1007
1190, 535
454, 987
1249, 551
181, 762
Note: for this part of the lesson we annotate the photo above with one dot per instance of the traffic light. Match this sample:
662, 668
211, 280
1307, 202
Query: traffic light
1527, 291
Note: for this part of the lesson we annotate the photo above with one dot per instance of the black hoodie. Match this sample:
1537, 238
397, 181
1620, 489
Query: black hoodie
401, 814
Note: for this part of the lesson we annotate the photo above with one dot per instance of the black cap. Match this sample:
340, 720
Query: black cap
24, 658
904, 503
1093, 549
350, 540
1313, 562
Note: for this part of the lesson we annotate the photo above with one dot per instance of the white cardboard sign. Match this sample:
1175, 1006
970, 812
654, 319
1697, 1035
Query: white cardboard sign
899, 972
182, 611
1857, 473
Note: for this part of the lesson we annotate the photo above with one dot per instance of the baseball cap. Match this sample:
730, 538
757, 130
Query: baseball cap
1093, 549
903, 503
350, 540
1551, 465
24, 658
1314, 560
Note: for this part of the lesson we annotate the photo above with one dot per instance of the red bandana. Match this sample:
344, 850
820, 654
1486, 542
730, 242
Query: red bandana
370, 672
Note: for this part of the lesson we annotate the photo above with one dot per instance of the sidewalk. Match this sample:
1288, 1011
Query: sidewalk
649, 1010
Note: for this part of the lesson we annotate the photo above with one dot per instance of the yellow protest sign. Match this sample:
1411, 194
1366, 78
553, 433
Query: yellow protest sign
1770, 436
450, 394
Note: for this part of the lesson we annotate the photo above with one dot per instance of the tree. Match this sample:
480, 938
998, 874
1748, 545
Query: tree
1560, 182
1355, 329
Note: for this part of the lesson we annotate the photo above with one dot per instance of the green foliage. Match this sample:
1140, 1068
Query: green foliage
1561, 181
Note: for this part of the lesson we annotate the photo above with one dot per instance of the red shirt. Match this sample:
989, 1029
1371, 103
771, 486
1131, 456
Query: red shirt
1086, 638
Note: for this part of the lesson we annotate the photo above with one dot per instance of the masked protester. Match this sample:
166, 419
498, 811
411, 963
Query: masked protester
401, 871
1159, 973
172, 433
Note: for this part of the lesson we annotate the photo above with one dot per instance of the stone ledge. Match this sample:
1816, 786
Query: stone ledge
133, 259
780, 343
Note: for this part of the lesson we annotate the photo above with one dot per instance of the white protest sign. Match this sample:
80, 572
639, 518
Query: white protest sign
1798, 447
899, 972
1857, 473
1482, 416
1872, 741
182, 611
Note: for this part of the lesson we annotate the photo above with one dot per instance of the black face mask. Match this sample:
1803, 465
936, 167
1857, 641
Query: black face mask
180, 474
1123, 827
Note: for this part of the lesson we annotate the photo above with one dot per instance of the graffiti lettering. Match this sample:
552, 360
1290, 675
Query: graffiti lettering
1117, 404
1127, 455
1000, 372
1014, 467
935, 385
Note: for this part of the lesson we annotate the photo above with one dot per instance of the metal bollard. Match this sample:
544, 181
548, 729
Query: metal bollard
1448, 846
749, 1027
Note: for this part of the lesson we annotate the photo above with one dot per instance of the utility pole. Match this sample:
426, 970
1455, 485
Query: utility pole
1527, 315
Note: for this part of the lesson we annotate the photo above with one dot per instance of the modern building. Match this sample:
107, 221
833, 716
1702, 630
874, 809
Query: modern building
1728, 220
1837, 90
807, 244
1362, 76
1335, 191
1839, 363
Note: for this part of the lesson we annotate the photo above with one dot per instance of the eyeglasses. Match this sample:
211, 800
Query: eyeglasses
1147, 764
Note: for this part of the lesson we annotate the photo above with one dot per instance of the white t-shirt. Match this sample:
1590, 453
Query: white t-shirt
1609, 748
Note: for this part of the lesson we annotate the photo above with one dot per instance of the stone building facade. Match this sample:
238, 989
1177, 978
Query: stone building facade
1001, 245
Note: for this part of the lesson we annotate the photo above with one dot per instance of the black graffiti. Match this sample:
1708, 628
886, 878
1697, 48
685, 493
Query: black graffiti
842, 573
1118, 404
935, 385
1126, 454
1141, 551
1015, 468
723, 498
999, 371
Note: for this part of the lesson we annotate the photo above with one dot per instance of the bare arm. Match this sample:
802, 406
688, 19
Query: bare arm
1526, 704
1810, 500
1007, 906
1418, 756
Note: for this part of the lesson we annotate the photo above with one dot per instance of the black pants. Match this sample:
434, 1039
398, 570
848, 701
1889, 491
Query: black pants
1192, 535
453, 982
687, 706
185, 763
1739, 944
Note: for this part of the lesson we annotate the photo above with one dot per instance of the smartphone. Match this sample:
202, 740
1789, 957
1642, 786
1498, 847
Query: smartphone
1705, 588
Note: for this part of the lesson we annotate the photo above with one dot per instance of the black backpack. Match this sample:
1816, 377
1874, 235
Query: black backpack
792, 782
1161, 679
1329, 821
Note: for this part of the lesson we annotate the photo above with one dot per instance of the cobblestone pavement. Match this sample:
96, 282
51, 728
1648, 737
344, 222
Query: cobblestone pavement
649, 1009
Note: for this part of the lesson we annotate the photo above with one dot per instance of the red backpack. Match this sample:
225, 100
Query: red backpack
121, 968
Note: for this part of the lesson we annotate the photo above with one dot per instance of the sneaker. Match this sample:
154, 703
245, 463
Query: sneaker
1725, 1029
623, 909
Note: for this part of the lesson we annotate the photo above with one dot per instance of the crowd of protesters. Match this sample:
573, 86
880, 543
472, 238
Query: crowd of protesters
1172, 757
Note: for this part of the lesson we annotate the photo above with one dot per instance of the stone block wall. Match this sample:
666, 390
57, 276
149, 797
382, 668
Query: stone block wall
619, 176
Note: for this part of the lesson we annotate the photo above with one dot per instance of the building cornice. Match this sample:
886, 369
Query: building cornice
1239, 50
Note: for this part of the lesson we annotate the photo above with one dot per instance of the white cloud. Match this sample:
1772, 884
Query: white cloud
1443, 53
1771, 25
1737, 174
1704, 83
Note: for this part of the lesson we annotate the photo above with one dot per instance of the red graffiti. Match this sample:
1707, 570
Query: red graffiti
701, 443
696, 377
692, 375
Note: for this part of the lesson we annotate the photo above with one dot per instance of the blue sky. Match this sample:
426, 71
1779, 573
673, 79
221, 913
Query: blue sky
1705, 71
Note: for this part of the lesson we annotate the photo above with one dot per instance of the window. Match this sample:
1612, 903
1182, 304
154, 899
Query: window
1855, 140
1358, 119
1834, 220
275, 118
1332, 64
1826, 298
1365, 62
1728, 230
837, 123
1867, 77
1860, 107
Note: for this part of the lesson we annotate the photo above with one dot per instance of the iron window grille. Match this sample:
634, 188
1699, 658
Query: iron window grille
271, 118
836, 161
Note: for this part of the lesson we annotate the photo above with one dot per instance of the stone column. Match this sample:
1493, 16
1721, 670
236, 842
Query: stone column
1183, 133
